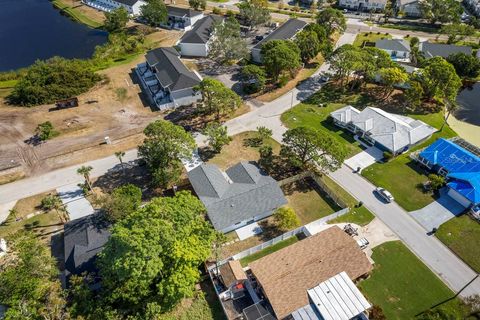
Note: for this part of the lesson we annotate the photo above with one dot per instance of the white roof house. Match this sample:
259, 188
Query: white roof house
389, 131
334, 299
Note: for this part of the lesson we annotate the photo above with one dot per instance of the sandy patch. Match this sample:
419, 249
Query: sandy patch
467, 131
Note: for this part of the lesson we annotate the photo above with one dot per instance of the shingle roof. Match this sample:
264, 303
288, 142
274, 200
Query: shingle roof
182, 12
431, 50
287, 274
84, 238
393, 44
128, 2
285, 32
393, 131
239, 194
170, 70
201, 31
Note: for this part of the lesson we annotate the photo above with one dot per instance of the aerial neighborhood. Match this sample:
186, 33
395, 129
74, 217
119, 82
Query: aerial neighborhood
240, 160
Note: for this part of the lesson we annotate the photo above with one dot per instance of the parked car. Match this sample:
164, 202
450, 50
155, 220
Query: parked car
384, 194
259, 38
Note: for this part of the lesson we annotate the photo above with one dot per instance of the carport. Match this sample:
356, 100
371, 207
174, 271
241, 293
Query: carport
438, 212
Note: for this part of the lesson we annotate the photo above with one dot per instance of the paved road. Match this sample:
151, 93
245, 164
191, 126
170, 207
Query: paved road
429, 249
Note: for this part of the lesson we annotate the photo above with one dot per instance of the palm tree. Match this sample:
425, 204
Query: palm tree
450, 107
53, 202
85, 172
120, 155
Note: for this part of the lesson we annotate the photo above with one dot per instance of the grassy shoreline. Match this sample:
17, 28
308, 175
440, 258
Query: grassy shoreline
76, 15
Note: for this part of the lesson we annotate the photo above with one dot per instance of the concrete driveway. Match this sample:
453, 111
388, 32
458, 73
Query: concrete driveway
74, 200
365, 158
438, 212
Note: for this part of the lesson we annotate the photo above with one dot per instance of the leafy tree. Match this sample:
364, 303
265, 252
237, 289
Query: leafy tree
347, 59
53, 202
457, 31
308, 43
444, 11
286, 218
152, 258
414, 94
280, 56
164, 146
325, 42
333, 20
116, 20
85, 172
307, 148
266, 157
391, 77
466, 66
122, 202
264, 133
217, 98
51, 80
228, 45
154, 12
217, 136
253, 78
45, 131
439, 79
30, 288
436, 181
198, 4
254, 12
450, 106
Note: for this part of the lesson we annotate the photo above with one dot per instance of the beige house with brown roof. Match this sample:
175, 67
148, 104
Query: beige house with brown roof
285, 276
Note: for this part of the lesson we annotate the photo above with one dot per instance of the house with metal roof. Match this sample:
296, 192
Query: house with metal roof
239, 196
195, 43
398, 49
286, 31
387, 131
443, 50
166, 80
182, 18
133, 7
461, 167
303, 280
363, 5
83, 239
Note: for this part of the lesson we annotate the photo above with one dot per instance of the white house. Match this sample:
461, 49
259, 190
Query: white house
363, 5
195, 43
410, 8
286, 31
398, 49
133, 6
182, 18
166, 80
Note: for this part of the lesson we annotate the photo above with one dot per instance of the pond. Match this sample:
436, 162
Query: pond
469, 101
34, 29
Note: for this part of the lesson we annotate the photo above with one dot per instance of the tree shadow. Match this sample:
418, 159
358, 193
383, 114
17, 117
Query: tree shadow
120, 175
269, 230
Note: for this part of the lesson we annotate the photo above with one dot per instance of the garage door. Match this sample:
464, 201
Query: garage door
459, 198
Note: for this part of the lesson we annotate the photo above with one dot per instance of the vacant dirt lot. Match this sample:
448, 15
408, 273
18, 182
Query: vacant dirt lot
114, 108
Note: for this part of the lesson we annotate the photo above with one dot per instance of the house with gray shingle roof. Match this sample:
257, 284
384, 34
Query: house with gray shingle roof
239, 196
166, 80
387, 131
195, 43
430, 49
398, 49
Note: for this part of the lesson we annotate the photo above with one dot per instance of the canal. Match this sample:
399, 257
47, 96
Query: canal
34, 29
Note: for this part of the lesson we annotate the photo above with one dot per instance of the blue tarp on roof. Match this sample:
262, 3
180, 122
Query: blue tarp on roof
451, 156
463, 167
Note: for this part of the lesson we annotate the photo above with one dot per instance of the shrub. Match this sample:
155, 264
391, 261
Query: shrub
436, 181
45, 131
216, 10
283, 80
286, 218
122, 201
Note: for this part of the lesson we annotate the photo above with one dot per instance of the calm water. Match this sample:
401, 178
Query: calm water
34, 29
469, 100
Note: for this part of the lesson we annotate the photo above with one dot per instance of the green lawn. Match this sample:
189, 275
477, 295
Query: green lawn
403, 286
408, 193
76, 14
462, 236
308, 203
41, 224
369, 37
282, 244
8, 84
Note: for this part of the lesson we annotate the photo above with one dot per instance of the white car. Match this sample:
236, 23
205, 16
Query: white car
384, 194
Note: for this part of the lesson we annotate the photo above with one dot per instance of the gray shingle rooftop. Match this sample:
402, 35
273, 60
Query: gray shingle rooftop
182, 12
170, 70
239, 194
201, 31
285, 32
128, 2
393, 45
84, 238
431, 50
